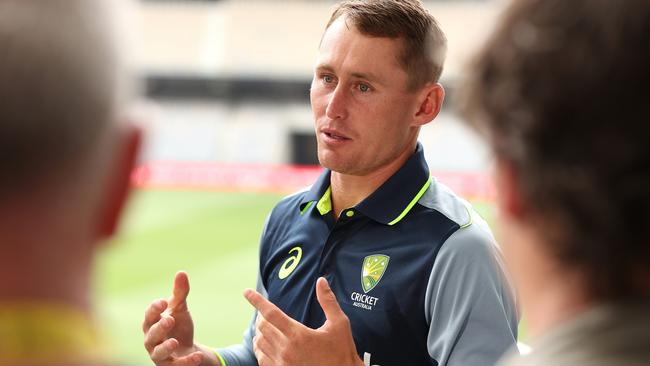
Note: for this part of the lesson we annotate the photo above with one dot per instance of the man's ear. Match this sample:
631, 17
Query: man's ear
509, 199
430, 101
118, 183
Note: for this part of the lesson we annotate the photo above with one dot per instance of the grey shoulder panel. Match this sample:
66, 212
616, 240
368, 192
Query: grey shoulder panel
469, 304
442, 199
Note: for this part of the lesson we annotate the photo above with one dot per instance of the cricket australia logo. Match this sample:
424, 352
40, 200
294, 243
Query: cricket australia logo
373, 269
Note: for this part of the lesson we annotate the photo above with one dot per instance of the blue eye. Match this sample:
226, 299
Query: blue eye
364, 88
328, 79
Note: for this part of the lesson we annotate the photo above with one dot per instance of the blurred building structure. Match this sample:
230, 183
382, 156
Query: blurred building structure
228, 81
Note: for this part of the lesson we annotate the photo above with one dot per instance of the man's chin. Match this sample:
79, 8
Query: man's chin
335, 163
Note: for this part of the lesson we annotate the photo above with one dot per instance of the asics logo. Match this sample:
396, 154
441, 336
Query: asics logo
291, 263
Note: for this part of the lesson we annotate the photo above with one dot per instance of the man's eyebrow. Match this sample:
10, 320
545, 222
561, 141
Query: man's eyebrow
324, 67
358, 75
367, 76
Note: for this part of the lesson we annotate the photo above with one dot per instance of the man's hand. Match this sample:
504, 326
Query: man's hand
169, 330
281, 341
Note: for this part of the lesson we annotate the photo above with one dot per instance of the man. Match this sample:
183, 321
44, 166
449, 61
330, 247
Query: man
413, 271
64, 172
561, 93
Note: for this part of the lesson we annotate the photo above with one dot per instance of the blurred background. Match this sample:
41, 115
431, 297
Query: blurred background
224, 101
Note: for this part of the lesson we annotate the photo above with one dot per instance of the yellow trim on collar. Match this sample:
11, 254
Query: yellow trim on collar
324, 205
412, 203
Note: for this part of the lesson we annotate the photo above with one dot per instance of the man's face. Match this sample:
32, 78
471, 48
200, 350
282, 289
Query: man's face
362, 108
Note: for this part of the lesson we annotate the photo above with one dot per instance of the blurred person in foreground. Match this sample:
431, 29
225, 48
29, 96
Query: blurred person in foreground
561, 93
65, 164
411, 272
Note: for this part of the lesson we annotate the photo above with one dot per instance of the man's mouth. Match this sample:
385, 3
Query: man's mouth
335, 135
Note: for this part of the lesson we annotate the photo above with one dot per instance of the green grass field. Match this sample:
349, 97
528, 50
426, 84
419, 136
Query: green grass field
212, 235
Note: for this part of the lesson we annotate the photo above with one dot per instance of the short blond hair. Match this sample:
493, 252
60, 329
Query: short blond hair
425, 44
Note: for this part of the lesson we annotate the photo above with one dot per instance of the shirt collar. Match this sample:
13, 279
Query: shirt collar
390, 203
320, 193
42, 332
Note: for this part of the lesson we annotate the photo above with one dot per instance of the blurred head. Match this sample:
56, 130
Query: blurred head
375, 82
64, 159
561, 93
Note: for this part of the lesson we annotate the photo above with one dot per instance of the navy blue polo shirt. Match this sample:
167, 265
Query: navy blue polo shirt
413, 267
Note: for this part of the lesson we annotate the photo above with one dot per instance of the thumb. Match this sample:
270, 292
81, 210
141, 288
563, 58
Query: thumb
179, 294
327, 300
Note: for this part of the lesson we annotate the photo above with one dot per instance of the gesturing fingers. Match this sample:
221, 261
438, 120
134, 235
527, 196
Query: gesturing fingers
158, 333
267, 330
261, 346
152, 314
327, 301
269, 311
280, 340
163, 354
178, 301
263, 359
163, 351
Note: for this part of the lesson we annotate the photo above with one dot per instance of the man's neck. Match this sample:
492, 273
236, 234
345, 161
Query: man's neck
48, 272
350, 190
555, 301
46, 287
44, 256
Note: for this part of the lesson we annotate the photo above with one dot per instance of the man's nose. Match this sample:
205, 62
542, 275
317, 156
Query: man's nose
337, 104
